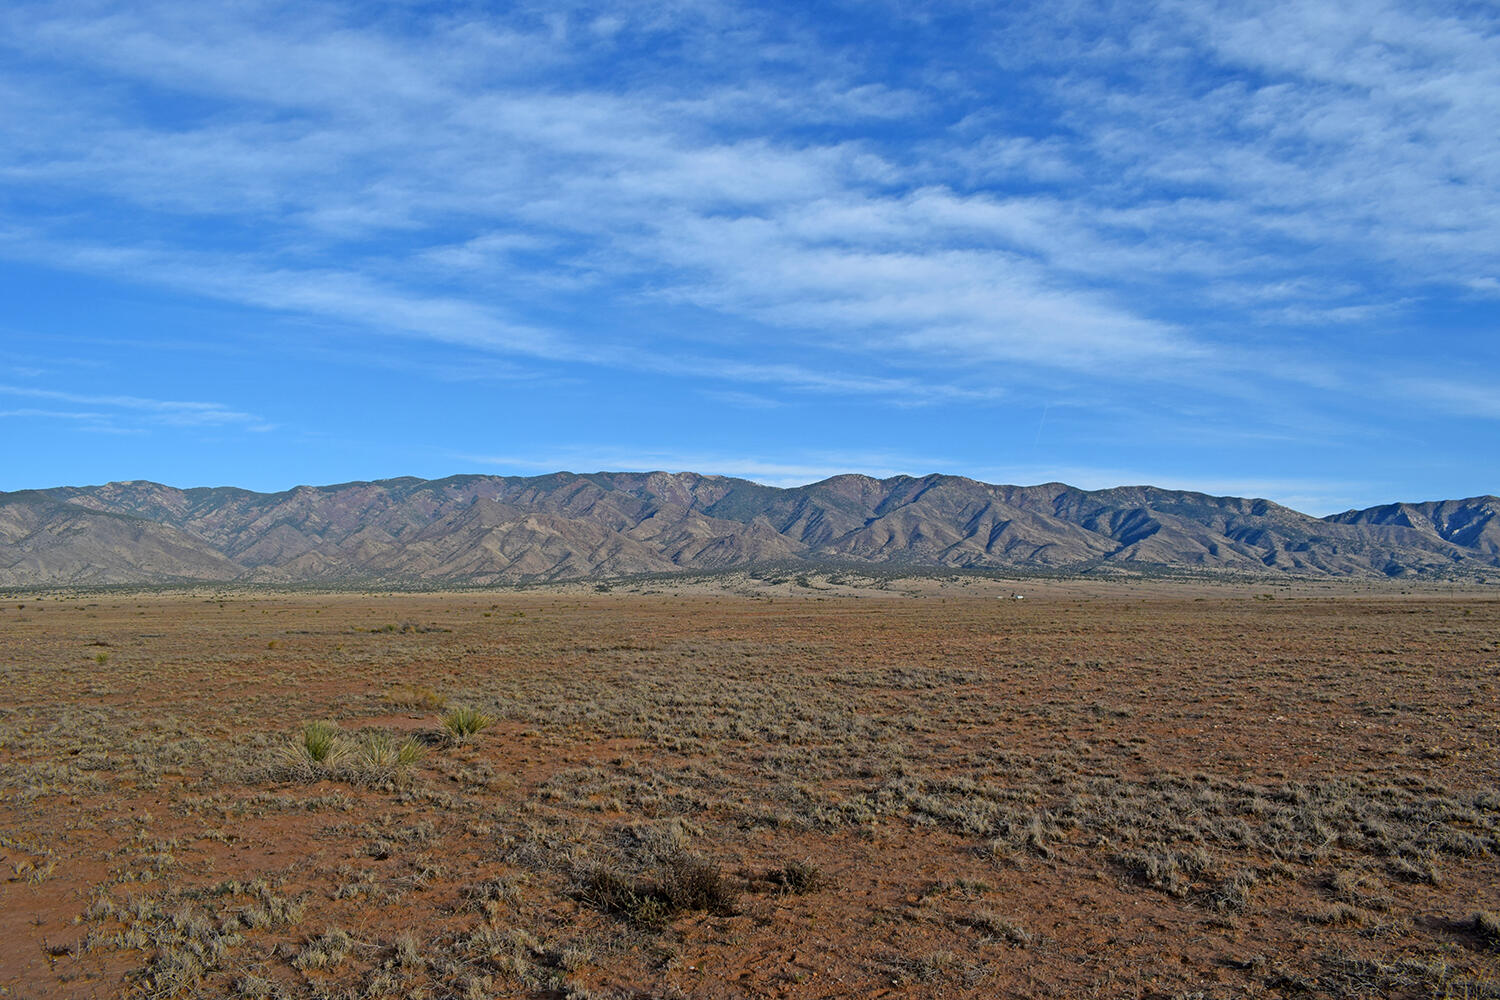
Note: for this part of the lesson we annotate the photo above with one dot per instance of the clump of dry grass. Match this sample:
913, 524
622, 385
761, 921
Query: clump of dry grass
1335, 914
324, 951
414, 696
1359, 889
998, 928
1170, 871
797, 877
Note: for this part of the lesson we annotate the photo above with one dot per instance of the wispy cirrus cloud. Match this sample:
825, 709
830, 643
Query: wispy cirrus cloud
1260, 136
1252, 205
108, 411
772, 471
56, 414
659, 191
1450, 395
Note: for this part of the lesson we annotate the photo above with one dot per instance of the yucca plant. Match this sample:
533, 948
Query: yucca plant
409, 752
317, 747
381, 752
378, 751
463, 722
321, 743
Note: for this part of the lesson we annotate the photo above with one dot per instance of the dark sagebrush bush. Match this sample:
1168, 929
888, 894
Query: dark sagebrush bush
796, 877
683, 883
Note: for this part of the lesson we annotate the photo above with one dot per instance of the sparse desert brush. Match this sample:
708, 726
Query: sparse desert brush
414, 696
690, 883
320, 741
797, 877
682, 883
1164, 869
382, 753
905, 747
318, 746
325, 951
463, 721
998, 928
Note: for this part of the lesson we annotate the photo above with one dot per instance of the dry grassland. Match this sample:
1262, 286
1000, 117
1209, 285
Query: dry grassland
1099, 791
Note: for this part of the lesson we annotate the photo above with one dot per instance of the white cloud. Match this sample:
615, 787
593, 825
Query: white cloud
342, 295
1450, 395
54, 414
770, 472
1260, 165
339, 133
741, 400
1374, 134
174, 413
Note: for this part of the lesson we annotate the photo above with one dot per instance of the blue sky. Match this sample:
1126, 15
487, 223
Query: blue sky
1247, 248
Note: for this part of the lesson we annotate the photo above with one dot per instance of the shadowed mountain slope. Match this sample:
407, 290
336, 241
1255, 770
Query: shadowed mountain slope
1470, 524
500, 529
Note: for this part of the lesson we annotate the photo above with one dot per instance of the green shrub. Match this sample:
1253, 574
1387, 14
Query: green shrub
316, 750
321, 743
463, 722
409, 752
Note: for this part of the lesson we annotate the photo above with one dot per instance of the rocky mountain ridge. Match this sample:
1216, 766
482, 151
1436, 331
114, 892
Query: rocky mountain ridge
476, 529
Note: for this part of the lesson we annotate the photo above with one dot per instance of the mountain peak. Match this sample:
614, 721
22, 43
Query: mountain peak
493, 529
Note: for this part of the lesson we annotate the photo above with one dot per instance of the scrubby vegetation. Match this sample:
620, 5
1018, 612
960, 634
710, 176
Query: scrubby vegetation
1084, 796
464, 721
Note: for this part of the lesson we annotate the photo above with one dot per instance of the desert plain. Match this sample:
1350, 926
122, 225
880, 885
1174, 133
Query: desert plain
807, 788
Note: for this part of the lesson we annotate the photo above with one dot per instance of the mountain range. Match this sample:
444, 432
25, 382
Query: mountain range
503, 529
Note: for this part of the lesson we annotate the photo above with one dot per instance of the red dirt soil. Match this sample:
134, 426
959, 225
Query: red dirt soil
1103, 790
